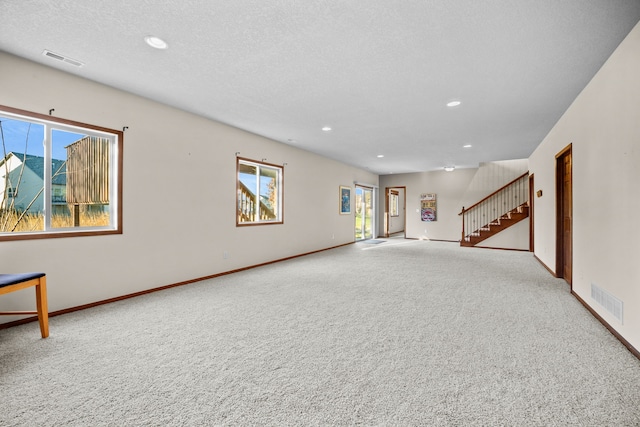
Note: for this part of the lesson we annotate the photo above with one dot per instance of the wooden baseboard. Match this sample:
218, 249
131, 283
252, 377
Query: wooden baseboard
620, 338
458, 242
615, 333
498, 249
161, 288
610, 328
553, 273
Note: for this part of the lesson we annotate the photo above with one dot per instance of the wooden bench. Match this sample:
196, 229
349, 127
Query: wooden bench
16, 282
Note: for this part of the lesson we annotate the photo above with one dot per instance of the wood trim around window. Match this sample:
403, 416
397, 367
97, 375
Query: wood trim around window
259, 162
119, 163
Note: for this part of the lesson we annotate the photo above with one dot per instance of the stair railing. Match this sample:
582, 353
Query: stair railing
494, 206
247, 209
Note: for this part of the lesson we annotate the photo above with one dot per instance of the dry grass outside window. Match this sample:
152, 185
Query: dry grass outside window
35, 222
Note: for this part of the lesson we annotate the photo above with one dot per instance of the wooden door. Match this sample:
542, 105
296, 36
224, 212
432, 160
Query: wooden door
564, 250
531, 221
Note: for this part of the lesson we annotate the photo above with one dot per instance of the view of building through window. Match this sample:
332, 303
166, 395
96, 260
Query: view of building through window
54, 176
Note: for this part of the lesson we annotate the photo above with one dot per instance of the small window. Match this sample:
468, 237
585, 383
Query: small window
59, 177
259, 188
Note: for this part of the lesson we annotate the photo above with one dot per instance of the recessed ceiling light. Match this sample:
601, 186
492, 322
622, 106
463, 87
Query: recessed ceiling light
467, 146
156, 42
454, 103
380, 156
326, 129
293, 141
449, 168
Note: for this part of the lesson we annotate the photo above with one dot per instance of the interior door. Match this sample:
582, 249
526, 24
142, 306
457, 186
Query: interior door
531, 213
564, 221
363, 213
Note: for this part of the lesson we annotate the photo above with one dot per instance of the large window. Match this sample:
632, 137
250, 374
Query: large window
259, 188
57, 177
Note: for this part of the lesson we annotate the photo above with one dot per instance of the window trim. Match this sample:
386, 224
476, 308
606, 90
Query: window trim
119, 137
281, 192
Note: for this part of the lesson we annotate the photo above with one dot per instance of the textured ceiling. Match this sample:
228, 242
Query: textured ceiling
379, 72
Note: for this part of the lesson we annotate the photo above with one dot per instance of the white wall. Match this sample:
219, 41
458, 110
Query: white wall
461, 187
178, 220
603, 126
492, 176
449, 188
514, 237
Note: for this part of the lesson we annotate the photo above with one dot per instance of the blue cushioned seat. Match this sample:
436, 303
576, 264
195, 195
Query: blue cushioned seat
12, 279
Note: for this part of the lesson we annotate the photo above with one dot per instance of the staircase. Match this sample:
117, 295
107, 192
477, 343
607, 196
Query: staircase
498, 211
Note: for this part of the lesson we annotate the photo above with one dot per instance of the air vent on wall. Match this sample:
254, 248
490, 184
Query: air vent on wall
612, 304
62, 58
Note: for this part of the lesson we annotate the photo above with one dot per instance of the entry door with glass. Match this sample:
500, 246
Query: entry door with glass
364, 212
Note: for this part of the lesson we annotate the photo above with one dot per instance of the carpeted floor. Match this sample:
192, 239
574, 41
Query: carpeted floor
404, 333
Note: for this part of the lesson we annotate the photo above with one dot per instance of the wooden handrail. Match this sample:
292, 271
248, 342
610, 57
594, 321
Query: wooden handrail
495, 192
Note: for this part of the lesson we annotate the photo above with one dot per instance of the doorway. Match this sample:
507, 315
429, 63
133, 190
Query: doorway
531, 220
564, 215
394, 211
364, 220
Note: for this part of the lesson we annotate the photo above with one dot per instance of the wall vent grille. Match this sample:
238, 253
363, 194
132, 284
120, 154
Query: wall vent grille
610, 303
62, 58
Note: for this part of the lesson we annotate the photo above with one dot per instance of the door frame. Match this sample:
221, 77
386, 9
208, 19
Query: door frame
561, 262
532, 195
366, 187
387, 214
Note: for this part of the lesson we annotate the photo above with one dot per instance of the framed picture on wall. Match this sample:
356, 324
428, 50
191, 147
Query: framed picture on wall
345, 200
428, 207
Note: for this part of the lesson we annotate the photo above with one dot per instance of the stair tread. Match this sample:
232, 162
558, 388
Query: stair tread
496, 226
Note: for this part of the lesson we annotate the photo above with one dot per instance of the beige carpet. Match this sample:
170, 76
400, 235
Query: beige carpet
401, 333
